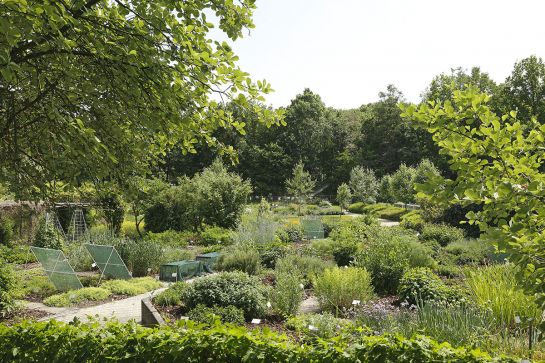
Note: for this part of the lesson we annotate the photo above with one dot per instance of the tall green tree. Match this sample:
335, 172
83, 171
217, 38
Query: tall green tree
301, 184
498, 162
524, 90
364, 184
344, 196
99, 89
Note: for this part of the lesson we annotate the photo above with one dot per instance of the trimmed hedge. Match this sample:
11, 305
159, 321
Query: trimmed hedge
191, 342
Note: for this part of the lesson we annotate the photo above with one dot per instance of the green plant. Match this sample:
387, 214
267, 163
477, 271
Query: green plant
364, 184
337, 288
441, 233
456, 323
301, 184
48, 237
35, 282
6, 229
17, 254
413, 220
8, 289
189, 341
294, 233
170, 238
208, 315
344, 196
307, 267
74, 297
240, 259
388, 254
271, 252
496, 288
228, 288
469, 251
311, 326
420, 285
171, 254
143, 255
287, 294
131, 287
171, 296
212, 235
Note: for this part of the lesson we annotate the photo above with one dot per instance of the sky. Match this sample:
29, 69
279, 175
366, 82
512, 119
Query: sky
348, 51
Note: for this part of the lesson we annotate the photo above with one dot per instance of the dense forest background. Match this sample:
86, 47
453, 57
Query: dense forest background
330, 142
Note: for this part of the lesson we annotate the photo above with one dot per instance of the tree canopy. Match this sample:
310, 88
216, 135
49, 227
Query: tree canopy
99, 89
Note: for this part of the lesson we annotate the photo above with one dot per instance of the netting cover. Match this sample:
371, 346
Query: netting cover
108, 261
180, 270
208, 260
313, 228
57, 268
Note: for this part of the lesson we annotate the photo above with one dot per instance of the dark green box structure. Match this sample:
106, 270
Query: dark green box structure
313, 228
183, 270
208, 260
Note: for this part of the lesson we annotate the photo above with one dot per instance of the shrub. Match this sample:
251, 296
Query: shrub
413, 220
17, 254
74, 297
441, 233
287, 294
48, 237
271, 252
128, 229
388, 254
143, 255
357, 207
228, 288
131, 287
364, 184
170, 238
240, 259
323, 326
420, 285
171, 296
78, 256
35, 282
213, 235
294, 233
469, 251
496, 288
336, 288
6, 229
344, 252
307, 267
176, 254
207, 315
260, 230
8, 289
188, 341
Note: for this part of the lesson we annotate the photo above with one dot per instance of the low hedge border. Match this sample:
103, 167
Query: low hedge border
191, 342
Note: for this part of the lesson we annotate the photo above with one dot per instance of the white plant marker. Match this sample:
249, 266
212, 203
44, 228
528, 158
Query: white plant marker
269, 304
173, 274
256, 321
312, 328
517, 320
356, 302
94, 264
301, 286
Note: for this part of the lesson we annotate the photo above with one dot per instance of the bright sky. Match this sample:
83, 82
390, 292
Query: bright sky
349, 50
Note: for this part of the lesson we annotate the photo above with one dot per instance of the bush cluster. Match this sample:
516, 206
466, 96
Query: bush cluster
420, 285
225, 289
442, 233
213, 197
8, 289
239, 258
188, 341
287, 294
208, 315
48, 237
337, 288
388, 254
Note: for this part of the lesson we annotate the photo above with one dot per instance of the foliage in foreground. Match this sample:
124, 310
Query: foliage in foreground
191, 342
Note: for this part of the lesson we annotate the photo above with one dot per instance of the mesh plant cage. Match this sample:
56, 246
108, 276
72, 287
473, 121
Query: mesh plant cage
180, 270
108, 261
208, 260
313, 228
57, 268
